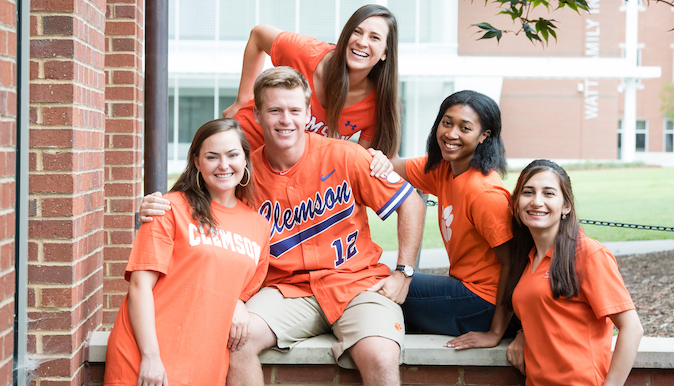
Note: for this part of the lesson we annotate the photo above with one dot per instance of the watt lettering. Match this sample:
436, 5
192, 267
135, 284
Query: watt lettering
591, 100
226, 240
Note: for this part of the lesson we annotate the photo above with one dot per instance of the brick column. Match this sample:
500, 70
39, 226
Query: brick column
8, 67
66, 193
123, 144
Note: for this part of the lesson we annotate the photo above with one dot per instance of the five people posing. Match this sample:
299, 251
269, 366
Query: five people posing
323, 270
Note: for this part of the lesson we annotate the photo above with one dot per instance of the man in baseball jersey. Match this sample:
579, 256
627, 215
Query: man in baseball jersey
324, 271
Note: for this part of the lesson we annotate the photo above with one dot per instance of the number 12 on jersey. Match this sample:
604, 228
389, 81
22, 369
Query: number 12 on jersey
351, 249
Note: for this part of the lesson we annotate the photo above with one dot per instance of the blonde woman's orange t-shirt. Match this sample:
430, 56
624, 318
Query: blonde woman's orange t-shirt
473, 217
568, 341
201, 278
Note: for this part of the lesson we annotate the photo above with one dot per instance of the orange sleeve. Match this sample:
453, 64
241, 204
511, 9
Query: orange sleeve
414, 167
297, 51
601, 282
383, 195
153, 247
491, 215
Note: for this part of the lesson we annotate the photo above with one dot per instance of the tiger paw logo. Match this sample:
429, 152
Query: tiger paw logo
446, 223
398, 327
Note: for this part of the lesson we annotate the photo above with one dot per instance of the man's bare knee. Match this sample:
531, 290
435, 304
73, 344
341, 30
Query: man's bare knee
261, 337
382, 350
377, 360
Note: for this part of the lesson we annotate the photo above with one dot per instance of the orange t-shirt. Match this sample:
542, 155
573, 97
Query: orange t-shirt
303, 53
320, 238
568, 341
201, 278
473, 216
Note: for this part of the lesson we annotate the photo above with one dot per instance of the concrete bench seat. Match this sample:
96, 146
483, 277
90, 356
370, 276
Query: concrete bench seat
420, 350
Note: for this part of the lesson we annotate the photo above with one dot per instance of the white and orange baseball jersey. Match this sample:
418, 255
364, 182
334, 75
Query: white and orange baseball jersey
320, 238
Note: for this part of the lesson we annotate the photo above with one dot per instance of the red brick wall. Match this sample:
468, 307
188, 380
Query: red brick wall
8, 67
416, 375
123, 144
66, 185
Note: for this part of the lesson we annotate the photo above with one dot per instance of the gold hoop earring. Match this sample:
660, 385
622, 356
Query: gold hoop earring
245, 169
198, 183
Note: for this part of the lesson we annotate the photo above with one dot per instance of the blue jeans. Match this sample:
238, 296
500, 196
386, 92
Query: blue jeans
441, 304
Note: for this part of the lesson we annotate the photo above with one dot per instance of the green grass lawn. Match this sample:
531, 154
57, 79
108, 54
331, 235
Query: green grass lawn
635, 195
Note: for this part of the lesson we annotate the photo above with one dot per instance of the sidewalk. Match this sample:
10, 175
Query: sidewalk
437, 258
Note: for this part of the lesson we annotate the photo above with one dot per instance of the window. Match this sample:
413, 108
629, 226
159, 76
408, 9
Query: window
669, 136
640, 139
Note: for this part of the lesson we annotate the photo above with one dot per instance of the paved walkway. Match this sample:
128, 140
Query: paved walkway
437, 258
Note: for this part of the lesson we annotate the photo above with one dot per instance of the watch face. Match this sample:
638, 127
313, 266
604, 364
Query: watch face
408, 270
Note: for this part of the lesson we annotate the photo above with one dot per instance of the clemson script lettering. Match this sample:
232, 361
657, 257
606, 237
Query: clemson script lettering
286, 219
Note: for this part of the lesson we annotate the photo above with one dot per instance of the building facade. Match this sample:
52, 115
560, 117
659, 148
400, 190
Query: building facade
560, 115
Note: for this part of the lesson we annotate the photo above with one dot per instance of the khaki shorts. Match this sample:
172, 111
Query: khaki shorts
295, 319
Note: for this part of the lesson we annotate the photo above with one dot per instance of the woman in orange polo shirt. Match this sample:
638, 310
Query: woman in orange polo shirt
566, 289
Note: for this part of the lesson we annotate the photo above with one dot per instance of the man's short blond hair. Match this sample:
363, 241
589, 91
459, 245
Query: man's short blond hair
281, 77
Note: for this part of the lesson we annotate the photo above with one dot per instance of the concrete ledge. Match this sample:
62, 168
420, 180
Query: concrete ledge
420, 349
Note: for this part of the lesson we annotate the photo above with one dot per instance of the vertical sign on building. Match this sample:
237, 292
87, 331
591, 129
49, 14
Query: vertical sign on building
590, 89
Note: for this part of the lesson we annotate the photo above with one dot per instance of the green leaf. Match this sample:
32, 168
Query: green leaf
572, 5
508, 12
554, 34
541, 2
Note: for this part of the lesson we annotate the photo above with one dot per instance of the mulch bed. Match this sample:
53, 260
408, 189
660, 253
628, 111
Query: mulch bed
649, 278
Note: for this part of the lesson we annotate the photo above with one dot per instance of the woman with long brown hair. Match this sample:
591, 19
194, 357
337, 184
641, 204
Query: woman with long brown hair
354, 83
566, 289
191, 270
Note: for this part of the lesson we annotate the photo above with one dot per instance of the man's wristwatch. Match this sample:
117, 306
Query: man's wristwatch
407, 270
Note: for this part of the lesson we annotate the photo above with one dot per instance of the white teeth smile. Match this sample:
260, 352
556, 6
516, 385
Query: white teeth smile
537, 213
226, 175
285, 131
452, 147
360, 53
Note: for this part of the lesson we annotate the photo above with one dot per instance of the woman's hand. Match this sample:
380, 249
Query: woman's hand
153, 205
151, 372
239, 331
515, 352
474, 339
231, 111
380, 165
